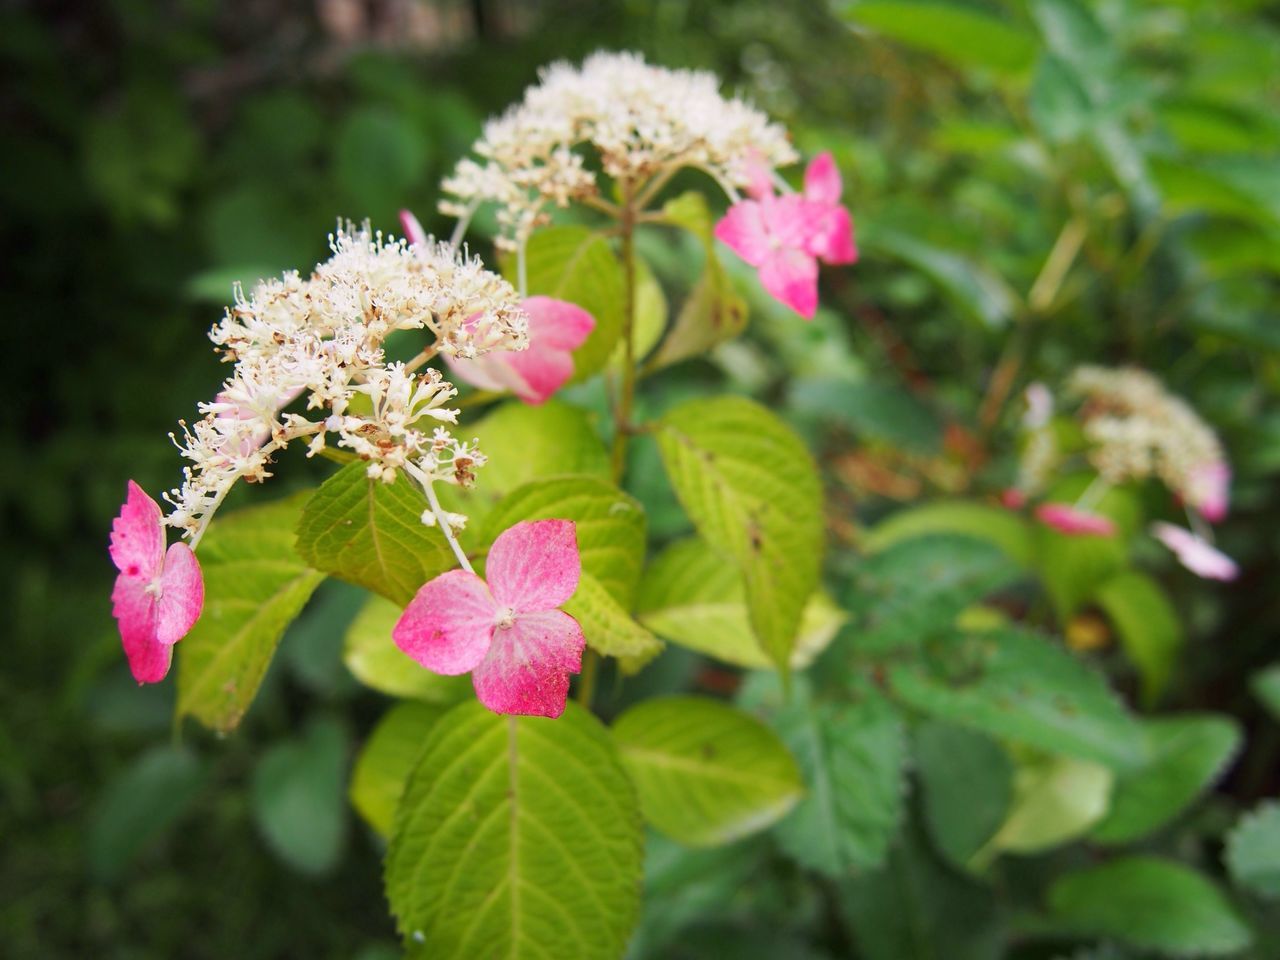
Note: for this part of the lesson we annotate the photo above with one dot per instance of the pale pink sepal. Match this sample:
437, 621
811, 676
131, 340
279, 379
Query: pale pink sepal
534, 565
822, 179
526, 670
1067, 519
448, 625
791, 278
1210, 491
413, 231
157, 596
1195, 553
181, 594
556, 329
137, 537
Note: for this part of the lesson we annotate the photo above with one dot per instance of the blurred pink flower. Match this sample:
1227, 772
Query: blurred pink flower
1209, 490
783, 237
158, 595
1195, 553
508, 633
1074, 522
556, 329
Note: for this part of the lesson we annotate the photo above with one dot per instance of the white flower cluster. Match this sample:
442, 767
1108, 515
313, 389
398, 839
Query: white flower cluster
323, 337
1137, 429
641, 120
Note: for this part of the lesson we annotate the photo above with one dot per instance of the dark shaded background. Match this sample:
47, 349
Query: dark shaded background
155, 151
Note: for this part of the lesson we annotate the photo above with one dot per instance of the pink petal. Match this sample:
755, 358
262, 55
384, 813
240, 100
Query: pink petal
758, 176
822, 180
832, 237
135, 612
1210, 490
413, 231
791, 276
556, 323
526, 670
1196, 554
539, 372
742, 229
534, 565
792, 221
1013, 498
181, 594
488, 372
137, 538
448, 624
1067, 519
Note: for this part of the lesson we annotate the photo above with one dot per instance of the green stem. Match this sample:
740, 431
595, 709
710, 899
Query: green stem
626, 392
587, 679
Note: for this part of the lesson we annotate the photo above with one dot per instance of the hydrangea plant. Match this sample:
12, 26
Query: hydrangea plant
508, 546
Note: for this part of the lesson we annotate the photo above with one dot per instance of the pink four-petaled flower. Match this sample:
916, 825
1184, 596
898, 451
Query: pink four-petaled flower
556, 329
508, 632
784, 237
1073, 521
158, 596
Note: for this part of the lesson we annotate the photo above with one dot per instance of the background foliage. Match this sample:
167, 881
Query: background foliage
1034, 184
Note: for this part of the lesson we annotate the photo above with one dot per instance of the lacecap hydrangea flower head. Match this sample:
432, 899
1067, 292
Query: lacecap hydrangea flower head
315, 344
643, 124
1133, 429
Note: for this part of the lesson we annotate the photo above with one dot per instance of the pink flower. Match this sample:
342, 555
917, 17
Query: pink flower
508, 633
1196, 554
556, 329
413, 231
783, 237
1208, 490
158, 596
1013, 498
1067, 519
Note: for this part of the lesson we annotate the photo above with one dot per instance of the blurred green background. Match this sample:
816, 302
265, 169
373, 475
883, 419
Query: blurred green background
1034, 187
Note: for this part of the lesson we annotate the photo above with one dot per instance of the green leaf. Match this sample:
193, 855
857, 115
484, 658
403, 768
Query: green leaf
961, 34
1055, 800
1253, 851
878, 411
372, 656
683, 886
1151, 904
651, 317
995, 525
853, 759
254, 586
706, 772
1060, 107
138, 805
752, 490
690, 596
1073, 568
713, 312
517, 837
914, 908
966, 782
611, 540
371, 534
1188, 754
379, 154
918, 590
1148, 626
1266, 687
526, 443
297, 796
976, 290
386, 760
1018, 685
573, 263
